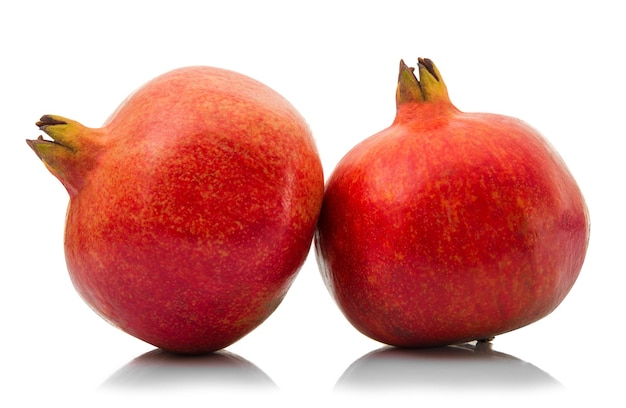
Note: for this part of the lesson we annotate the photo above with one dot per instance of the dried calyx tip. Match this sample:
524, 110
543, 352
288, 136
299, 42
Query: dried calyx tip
47, 120
404, 67
428, 64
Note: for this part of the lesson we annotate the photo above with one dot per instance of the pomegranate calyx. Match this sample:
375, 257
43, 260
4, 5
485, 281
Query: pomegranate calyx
428, 88
71, 150
56, 128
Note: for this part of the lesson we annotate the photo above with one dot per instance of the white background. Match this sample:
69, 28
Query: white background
557, 65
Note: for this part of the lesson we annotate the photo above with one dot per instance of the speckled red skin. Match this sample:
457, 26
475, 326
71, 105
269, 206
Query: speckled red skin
449, 227
191, 210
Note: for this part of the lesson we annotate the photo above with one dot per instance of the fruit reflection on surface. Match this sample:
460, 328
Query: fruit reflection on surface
191, 209
463, 366
447, 226
159, 369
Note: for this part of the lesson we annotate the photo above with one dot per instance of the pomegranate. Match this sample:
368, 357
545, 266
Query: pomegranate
449, 227
191, 210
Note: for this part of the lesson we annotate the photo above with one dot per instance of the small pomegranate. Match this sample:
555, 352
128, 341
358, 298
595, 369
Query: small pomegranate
448, 226
191, 210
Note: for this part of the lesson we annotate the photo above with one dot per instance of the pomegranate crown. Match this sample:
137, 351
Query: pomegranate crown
428, 88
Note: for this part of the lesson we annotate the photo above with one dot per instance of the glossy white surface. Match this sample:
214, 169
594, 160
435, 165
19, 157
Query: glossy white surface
558, 66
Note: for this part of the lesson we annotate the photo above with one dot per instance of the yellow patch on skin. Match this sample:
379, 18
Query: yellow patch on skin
372, 279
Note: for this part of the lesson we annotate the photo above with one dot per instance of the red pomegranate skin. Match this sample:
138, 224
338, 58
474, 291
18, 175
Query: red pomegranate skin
447, 226
191, 210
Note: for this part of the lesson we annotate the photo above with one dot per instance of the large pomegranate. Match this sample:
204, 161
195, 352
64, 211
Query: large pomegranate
448, 226
191, 209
